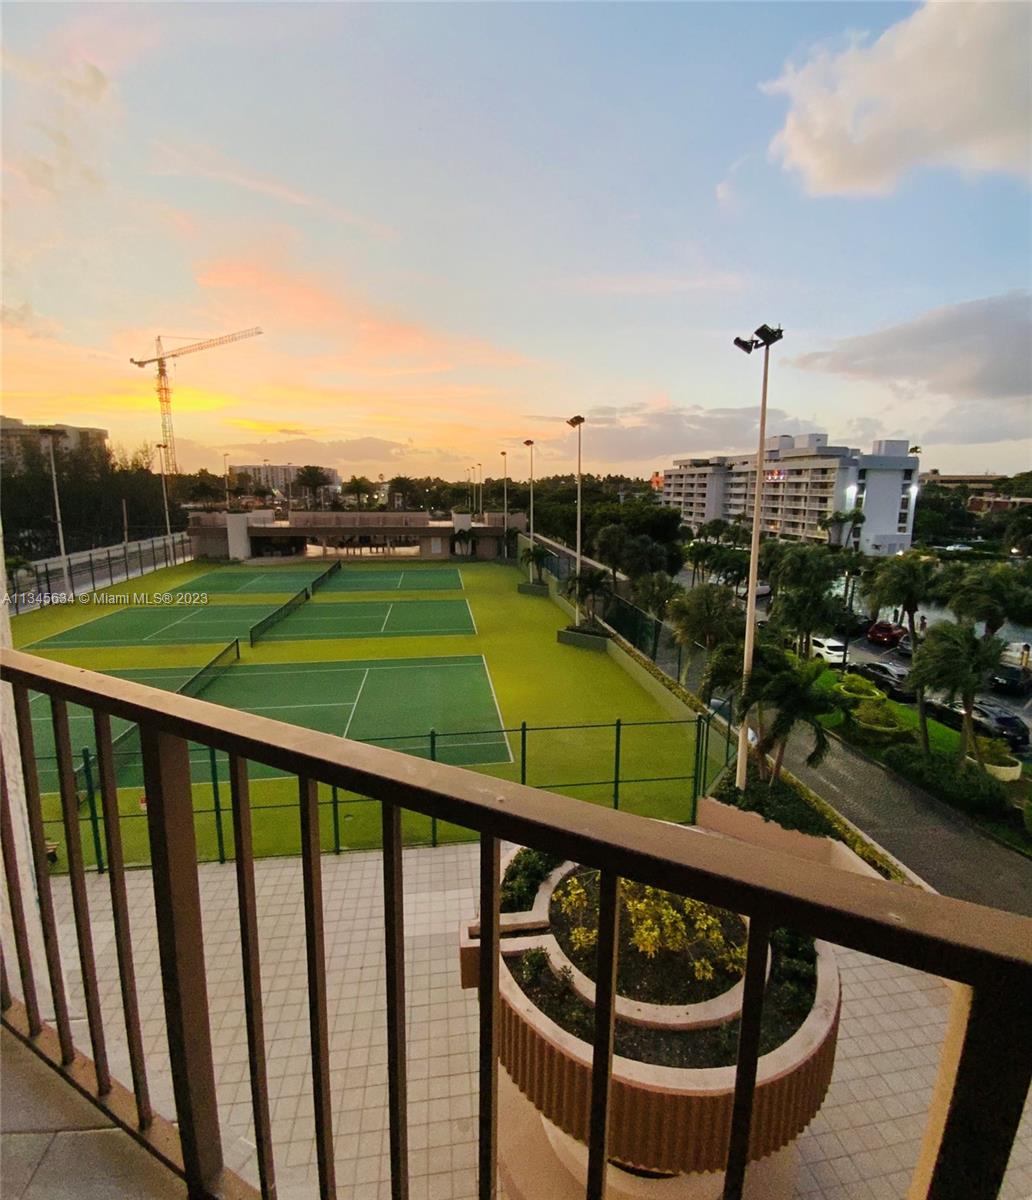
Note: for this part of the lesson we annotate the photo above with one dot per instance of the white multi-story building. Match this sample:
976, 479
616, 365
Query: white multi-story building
805, 482
279, 477
15, 435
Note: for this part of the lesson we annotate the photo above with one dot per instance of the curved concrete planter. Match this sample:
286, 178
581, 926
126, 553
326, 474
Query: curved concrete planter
667, 1119
1005, 772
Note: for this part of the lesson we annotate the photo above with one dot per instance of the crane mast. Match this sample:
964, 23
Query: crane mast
164, 388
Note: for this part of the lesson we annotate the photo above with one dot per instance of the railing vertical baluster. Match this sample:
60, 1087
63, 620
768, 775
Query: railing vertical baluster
120, 913
748, 1055
14, 896
616, 762
177, 910
989, 1093
394, 945
523, 752
605, 1017
220, 840
5, 987
317, 1015
433, 758
80, 901
490, 868
44, 895
250, 955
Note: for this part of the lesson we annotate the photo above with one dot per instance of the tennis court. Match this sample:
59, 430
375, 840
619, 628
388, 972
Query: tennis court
231, 580
373, 618
397, 701
161, 625
430, 579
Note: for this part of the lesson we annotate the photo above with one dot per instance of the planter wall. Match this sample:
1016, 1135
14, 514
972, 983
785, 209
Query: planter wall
533, 589
1005, 772
586, 641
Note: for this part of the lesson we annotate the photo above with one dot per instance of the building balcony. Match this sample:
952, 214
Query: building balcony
295, 1027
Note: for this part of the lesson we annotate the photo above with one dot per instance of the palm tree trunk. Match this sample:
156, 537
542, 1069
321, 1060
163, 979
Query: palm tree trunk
965, 734
922, 716
778, 759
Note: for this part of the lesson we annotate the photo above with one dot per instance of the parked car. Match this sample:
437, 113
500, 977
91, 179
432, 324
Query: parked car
1011, 680
904, 648
990, 720
893, 679
885, 633
720, 706
828, 649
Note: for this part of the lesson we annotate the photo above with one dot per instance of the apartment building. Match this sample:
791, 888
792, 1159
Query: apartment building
805, 480
15, 435
278, 477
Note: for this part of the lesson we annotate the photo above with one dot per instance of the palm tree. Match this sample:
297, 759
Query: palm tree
953, 659
994, 596
587, 588
611, 547
643, 555
535, 556
906, 582
653, 592
831, 522
797, 698
856, 518
699, 554
706, 615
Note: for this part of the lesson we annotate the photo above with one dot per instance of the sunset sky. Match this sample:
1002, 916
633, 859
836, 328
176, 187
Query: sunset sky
460, 224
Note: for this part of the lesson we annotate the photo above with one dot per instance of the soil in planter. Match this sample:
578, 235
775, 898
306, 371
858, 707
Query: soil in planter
523, 876
788, 999
665, 978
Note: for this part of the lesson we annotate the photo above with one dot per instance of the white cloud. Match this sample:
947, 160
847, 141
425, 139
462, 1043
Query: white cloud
975, 350
949, 87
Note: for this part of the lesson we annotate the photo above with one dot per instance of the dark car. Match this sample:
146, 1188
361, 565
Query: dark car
893, 680
1011, 680
990, 721
885, 633
904, 648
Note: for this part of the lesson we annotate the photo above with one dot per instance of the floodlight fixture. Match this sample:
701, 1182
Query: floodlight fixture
744, 344
768, 336
573, 422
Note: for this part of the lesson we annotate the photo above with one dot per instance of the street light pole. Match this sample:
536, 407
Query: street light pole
164, 490
505, 501
60, 523
479, 505
225, 472
290, 486
576, 423
529, 443
765, 336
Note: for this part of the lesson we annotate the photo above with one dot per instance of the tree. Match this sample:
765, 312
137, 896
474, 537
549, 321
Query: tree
706, 615
611, 547
587, 588
906, 581
699, 554
643, 556
535, 556
804, 606
713, 530
359, 487
653, 592
952, 659
855, 518
993, 595
833, 524
797, 697
310, 479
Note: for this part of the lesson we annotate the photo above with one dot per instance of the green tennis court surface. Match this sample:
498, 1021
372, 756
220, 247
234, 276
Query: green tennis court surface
230, 580
395, 702
433, 579
374, 618
162, 625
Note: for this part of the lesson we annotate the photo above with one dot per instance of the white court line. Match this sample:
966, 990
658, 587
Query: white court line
354, 706
501, 723
470, 611
401, 576
186, 617
342, 668
284, 707
387, 617
462, 582
77, 625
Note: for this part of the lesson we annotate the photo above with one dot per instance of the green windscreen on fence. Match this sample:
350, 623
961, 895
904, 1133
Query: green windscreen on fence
260, 628
324, 578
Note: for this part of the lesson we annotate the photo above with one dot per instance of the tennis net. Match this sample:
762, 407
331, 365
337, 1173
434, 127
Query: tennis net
201, 680
260, 628
319, 580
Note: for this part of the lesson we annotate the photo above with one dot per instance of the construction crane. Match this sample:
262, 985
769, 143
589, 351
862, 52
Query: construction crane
168, 440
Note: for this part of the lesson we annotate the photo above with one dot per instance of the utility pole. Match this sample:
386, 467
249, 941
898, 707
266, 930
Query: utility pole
576, 423
529, 443
164, 491
505, 500
57, 513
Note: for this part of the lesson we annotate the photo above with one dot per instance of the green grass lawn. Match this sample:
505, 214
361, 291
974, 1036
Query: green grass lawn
534, 679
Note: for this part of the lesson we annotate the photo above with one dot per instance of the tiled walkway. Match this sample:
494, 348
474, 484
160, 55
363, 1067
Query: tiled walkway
862, 1145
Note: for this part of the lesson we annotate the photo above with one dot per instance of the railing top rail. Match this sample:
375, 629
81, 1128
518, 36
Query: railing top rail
948, 937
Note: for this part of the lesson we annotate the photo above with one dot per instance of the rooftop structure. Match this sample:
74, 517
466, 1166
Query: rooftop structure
806, 481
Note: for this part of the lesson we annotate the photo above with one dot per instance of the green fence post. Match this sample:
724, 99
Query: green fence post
695, 770
433, 758
336, 819
218, 803
523, 752
616, 763
91, 801
93, 577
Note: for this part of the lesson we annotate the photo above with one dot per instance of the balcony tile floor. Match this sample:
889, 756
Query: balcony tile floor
862, 1145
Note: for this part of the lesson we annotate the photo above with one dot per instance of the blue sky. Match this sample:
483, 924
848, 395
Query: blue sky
458, 224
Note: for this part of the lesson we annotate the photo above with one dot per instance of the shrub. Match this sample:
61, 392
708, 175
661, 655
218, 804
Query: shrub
855, 688
1026, 815
995, 752
966, 787
779, 803
875, 723
523, 876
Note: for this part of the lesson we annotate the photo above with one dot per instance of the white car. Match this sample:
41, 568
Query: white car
828, 649
720, 706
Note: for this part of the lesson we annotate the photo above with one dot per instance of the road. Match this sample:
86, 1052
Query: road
932, 839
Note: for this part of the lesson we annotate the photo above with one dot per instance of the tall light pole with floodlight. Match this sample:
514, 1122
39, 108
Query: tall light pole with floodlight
290, 482
57, 515
164, 489
529, 443
479, 506
765, 336
576, 423
505, 502
225, 472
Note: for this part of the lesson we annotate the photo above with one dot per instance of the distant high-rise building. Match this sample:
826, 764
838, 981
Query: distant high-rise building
805, 481
15, 435
278, 476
